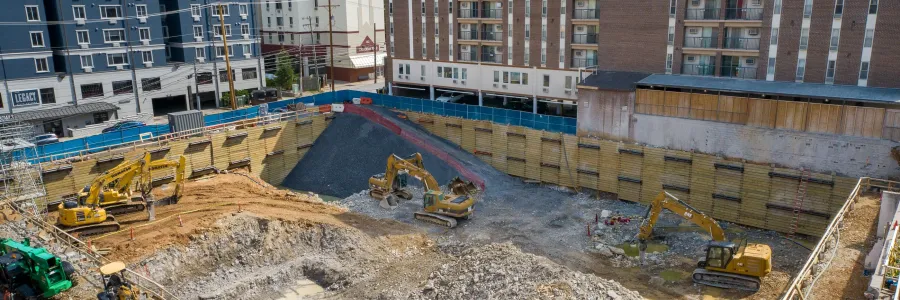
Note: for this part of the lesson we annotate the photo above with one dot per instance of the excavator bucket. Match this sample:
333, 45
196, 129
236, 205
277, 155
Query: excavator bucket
462, 187
389, 202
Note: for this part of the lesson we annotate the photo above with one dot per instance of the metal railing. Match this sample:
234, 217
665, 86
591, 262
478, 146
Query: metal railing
467, 56
493, 58
739, 72
468, 13
584, 38
701, 42
702, 14
468, 35
585, 14
492, 13
751, 14
584, 62
698, 69
742, 43
492, 35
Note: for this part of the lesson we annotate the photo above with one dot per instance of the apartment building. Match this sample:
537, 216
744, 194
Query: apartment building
69, 63
301, 29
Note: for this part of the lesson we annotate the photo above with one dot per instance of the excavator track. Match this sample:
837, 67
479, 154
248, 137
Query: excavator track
378, 194
122, 209
94, 229
445, 221
726, 280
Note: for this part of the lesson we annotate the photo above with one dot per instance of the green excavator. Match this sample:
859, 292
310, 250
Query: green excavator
32, 273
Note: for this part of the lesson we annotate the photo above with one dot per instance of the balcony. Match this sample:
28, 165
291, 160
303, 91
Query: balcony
748, 14
742, 43
584, 62
698, 69
467, 56
739, 72
470, 35
586, 14
494, 13
584, 38
468, 13
702, 14
492, 58
492, 35
701, 42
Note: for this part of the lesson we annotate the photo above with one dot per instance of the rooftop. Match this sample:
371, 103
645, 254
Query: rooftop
65, 111
612, 80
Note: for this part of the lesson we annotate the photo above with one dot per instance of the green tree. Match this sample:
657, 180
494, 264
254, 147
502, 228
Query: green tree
284, 74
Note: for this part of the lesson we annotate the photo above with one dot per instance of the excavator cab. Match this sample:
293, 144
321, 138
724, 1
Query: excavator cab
432, 198
718, 255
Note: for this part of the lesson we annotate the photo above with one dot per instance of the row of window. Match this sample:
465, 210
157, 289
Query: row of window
217, 30
505, 77
92, 90
449, 72
279, 21
243, 10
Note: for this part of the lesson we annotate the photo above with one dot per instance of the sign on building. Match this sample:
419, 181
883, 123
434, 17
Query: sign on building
25, 98
367, 46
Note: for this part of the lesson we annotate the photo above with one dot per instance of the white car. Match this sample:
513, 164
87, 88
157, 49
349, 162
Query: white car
452, 98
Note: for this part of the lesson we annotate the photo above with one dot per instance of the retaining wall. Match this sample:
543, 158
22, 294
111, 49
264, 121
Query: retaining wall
734, 191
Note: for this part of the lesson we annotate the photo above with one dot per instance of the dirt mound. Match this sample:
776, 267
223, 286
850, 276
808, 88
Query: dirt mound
502, 271
351, 150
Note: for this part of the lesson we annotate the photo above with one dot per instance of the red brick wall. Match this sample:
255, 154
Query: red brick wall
633, 35
884, 70
789, 40
853, 31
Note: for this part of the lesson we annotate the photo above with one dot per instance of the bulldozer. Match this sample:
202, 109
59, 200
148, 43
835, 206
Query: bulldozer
726, 264
438, 207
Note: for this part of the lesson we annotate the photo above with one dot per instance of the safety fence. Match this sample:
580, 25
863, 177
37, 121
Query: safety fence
730, 190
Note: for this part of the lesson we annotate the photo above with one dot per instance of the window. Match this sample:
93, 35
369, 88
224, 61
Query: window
496, 76
423, 7
144, 33
317, 21
269, 21
546, 81
770, 69
242, 9
392, 28
804, 38
248, 74
47, 96
671, 40
113, 35
773, 38
101, 117
281, 37
829, 72
838, 8
544, 8
464, 74
223, 75
200, 52
527, 8
807, 8
117, 59
291, 21
279, 21
41, 65
37, 39
455, 73
568, 84
246, 47
450, 6
78, 12
204, 78
217, 30
87, 61
525, 78
195, 10
32, 14
669, 63
198, 31
91, 90
505, 77
527, 32
870, 35
509, 30
543, 32
873, 7
400, 71
122, 87
110, 11
543, 56
515, 78
437, 52
215, 10
864, 70
672, 6
435, 8
278, 5
777, 7
140, 11
220, 51
527, 55
150, 84
436, 31
801, 69
83, 37
835, 38
391, 8
147, 56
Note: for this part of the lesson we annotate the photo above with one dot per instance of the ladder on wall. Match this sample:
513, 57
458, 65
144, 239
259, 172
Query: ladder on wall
798, 201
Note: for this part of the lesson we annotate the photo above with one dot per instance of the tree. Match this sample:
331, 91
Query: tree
284, 74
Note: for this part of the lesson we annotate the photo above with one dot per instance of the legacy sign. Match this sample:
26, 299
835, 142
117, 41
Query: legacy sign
25, 98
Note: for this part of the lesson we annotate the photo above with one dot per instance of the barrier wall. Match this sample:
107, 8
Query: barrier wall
734, 191
269, 151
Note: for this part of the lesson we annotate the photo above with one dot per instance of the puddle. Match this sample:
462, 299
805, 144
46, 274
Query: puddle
672, 275
303, 289
634, 250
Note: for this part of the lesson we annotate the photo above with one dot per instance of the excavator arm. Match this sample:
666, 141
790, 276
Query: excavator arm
667, 201
121, 172
157, 165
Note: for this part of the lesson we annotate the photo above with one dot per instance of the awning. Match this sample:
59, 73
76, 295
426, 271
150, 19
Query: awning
359, 61
65, 111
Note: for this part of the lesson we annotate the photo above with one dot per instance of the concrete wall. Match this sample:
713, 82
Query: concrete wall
845, 155
605, 114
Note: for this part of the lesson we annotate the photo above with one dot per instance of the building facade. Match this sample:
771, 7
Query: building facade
69, 63
301, 29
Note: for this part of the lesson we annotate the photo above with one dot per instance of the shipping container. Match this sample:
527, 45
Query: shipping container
186, 120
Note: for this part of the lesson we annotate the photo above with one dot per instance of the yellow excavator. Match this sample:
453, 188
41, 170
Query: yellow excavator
439, 207
726, 265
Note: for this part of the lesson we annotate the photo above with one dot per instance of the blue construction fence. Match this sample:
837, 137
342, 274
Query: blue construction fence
472, 112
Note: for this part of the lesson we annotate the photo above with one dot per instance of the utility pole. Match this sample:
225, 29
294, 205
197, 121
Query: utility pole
331, 43
315, 52
375, 51
134, 89
227, 59
68, 66
196, 86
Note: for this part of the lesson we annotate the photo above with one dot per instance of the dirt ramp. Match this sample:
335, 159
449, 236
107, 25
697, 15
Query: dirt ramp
351, 150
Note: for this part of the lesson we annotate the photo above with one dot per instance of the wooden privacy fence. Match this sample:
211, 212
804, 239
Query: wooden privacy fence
734, 191
790, 115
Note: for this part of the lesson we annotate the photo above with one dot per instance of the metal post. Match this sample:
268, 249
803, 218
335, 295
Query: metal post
534, 104
259, 53
187, 101
137, 98
212, 43
480, 98
68, 63
227, 59
375, 53
431, 92
196, 87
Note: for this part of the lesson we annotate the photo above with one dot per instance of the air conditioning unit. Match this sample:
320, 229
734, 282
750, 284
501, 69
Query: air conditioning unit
243, 17
580, 3
568, 92
148, 64
84, 46
693, 30
79, 22
503, 86
498, 27
245, 36
579, 53
246, 55
196, 18
142, 20
750, 61
198, 39
691, 58
120, 67
579, 28
422, 78
463, 82
145, 42
112, 21
88, 70
464, 48
117, 44
695, 3
495, 85
201, 59
454, 81
753, 31
546, 90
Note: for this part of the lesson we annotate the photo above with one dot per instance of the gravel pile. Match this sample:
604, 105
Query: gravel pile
502, 271
351, 150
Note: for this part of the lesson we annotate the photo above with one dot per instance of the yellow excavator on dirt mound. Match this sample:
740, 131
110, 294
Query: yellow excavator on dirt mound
726, 265
439, 207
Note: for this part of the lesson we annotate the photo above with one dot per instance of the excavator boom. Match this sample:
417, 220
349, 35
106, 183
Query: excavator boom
667, 201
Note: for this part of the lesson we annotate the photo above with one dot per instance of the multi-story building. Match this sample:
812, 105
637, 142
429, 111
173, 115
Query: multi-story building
301, 29
69, 63
844, 42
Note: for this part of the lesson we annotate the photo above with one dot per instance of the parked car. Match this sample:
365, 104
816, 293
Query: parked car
450, 97
122, 125
45, 139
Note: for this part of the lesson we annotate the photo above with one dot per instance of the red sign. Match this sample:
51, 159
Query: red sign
367, 46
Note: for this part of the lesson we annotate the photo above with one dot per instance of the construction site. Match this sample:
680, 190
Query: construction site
353, 201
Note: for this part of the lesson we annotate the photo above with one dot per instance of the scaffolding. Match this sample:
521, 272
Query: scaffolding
20, 174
